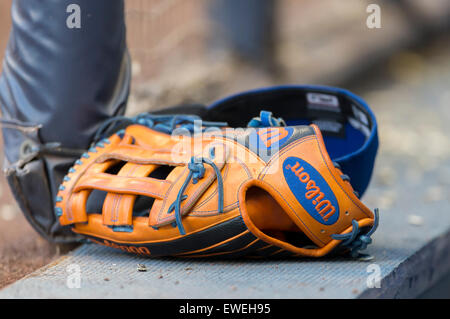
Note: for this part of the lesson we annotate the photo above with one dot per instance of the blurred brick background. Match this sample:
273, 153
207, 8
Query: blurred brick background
5, 22
160, 31
318, 41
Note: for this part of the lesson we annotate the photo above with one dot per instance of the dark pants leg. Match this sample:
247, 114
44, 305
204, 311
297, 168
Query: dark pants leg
247, 27
58, 84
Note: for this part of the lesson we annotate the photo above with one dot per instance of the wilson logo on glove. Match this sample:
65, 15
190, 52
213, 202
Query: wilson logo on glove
274, 136
311, 190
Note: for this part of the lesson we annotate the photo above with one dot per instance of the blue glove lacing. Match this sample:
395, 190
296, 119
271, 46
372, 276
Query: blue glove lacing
356, 241
266, 119
162, 123
196, 172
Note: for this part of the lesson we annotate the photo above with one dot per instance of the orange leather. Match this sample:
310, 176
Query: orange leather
297, 191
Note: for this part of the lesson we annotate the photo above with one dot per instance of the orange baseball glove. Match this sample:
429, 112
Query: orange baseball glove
270, 191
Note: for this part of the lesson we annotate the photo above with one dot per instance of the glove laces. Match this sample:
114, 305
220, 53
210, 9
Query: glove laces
162, 123
266, 119
355, 240
196, 168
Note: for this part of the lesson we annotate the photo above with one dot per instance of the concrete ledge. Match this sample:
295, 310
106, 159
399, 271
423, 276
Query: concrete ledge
409, 261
